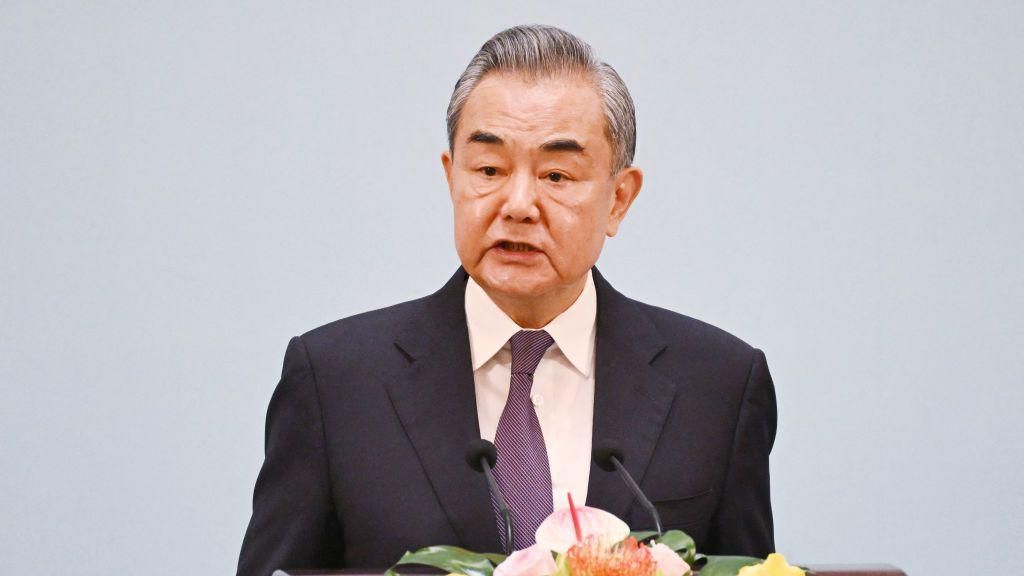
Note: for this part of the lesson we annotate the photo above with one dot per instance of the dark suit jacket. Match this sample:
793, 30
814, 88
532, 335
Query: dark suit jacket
367, 428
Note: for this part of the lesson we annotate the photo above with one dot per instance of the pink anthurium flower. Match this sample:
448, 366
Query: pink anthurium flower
558, 534
669, 563
533, 561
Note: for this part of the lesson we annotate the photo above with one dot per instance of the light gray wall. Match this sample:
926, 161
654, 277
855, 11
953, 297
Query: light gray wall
186, 185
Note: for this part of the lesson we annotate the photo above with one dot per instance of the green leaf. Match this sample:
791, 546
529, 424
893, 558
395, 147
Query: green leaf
450, 559
644, 535
677, 540
727, 565
495, 558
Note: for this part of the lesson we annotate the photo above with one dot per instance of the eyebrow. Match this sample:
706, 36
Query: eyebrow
484, 138
558, 145
563, 145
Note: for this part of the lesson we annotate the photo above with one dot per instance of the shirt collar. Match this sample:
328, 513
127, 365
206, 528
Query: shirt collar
573, 330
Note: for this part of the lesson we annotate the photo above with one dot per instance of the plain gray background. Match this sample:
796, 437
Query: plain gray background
186, 185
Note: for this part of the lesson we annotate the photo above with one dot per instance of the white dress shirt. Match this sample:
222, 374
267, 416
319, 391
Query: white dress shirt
563, 384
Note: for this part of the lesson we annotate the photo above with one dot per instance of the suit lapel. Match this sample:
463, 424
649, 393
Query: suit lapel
436, 403
631, 398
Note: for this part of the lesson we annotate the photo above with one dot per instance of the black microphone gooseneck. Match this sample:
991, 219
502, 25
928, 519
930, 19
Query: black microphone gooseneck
481, 455
608, 457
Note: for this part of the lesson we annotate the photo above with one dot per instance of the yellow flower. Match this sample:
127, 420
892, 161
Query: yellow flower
775, 565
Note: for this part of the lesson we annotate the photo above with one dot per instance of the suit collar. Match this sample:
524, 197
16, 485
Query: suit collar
440, 314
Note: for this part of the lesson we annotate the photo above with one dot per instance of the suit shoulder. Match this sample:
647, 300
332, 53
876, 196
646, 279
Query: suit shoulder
363, 328
715, 361
696, 334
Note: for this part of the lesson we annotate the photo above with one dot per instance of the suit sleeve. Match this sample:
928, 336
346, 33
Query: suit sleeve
743, 522
293, 522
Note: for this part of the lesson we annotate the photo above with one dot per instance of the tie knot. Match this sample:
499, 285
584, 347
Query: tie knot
528, 346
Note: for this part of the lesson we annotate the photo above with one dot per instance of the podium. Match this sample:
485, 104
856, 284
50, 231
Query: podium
816, 570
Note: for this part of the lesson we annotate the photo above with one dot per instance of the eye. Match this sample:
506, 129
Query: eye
489, 171
555, 176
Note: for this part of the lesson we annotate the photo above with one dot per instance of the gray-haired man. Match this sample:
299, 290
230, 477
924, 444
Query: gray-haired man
526, 345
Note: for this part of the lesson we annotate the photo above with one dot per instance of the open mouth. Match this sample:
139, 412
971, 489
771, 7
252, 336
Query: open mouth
516, 246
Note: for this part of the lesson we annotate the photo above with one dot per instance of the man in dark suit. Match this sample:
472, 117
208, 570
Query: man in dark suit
527, 345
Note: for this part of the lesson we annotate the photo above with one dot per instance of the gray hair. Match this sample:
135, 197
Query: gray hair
543, 51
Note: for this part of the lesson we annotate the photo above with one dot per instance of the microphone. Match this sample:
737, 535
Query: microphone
481, 455
608, 457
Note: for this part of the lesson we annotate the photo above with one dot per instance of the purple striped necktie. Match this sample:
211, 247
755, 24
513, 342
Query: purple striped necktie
522, 469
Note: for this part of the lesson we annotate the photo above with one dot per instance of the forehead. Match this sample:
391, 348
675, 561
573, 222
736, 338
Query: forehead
527, 111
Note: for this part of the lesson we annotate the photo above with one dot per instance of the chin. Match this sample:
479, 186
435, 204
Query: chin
521, 284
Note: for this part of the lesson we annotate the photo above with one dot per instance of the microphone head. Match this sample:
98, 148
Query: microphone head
603, 453
479, 449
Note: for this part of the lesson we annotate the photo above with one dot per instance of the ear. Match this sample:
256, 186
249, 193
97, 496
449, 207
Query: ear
627, 186
446, 161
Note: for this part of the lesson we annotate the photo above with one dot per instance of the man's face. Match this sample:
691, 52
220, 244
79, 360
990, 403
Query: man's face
531, 184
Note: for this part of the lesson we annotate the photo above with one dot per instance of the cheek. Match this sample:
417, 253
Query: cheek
473, 215
578, 228
582, 217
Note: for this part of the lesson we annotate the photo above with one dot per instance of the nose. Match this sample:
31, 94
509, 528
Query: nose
521, 199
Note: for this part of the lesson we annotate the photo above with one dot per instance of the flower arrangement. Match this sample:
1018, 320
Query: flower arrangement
585, 541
